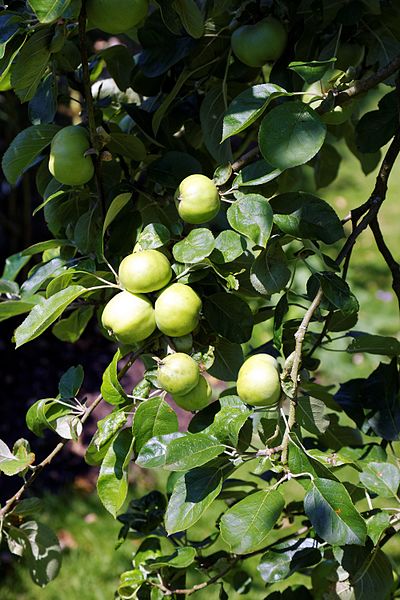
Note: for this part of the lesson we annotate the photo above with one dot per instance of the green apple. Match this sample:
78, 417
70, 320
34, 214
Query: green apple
145, 271
115, 16
67, 162
129, 318
199, 397
177, 310
198, 199
254, 45
178, 373
258, 382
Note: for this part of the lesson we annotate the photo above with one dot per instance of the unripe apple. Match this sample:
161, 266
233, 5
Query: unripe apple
177, 310
178, 373
129, 318
199, 397
116, 16
258, 382
67, 162
198, 199
257, 44
145, 271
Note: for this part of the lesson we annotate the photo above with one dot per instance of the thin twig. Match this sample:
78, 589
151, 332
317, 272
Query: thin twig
46, 461
388, 257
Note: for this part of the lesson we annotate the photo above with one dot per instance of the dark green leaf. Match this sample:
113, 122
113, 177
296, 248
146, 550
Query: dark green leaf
192, 495
290, 135
71, 328
310, 415
332, 513
287, 558
111, 389
228, 358
179, 453
269, 272
70, 383
30, 64
229, 245
245, 526
211, 116
255, 174
153, 418
370, 573
24, 148
195, 247
305, 216
112, 484
44, 314
191, 17
313, 70
180, 559
49, 10
230, 316
252, 216
248, 106
375, 344
128, 145
120, 65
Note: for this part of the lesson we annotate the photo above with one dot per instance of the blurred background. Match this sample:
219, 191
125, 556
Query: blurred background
67, 488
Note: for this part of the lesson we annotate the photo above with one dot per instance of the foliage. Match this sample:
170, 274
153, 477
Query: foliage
168, 101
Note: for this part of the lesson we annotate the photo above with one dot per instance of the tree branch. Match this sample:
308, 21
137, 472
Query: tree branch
294, 373
388, 257
10, 504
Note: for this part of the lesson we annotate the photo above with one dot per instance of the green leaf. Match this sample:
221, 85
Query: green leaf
288, 557
332, 513
335, 290
370, 573
71, 328
13, 308
179, 453
246, 526
381, 478
13, 265
39, 546
31, 64
153, 418
154, 235
107, 429
252, 216
111, 389
128, 145
255, 174
112, 484
211, 116
14, 462
180, 559
87, 231
301, 461
375, 344
310, 415
377, 524
191, 17
229, 245
71, 382
228, 358
120, 65
44, 314
248, 106
269, 273
24, 148
118, 203
192, 495
195, 247
305, 216
326, 166
290, 135
49, 10
230, 316
228, 421
313, 70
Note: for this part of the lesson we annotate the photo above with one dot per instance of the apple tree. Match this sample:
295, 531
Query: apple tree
181, 151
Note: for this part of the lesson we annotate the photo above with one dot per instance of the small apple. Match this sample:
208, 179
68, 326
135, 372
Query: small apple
258, 382
114, 16
129, 318
67, 162
178, 373
254, 45
199, 397
145, 271
198, 199
177, 310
